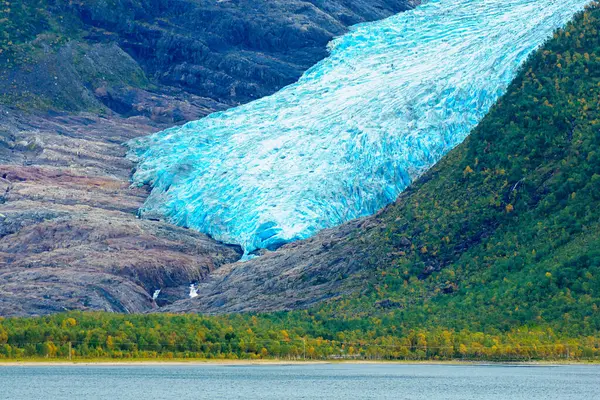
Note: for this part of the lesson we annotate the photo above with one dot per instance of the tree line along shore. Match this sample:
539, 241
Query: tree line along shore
103, 336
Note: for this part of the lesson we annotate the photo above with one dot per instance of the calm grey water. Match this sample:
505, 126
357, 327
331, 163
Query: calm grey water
328, 381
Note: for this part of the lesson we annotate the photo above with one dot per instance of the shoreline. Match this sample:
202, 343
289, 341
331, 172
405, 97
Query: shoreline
226, 363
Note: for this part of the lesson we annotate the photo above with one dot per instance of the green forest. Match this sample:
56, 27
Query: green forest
493, 254
299, 335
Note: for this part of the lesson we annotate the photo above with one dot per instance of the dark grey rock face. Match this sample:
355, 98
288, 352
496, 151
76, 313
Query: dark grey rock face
294, 276
114, 54
232, 51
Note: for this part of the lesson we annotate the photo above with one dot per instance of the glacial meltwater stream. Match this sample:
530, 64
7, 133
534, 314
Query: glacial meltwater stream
392, 98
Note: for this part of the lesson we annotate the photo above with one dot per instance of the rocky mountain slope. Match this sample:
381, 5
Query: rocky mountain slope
88, 54
503, 231
77, 80
69, 235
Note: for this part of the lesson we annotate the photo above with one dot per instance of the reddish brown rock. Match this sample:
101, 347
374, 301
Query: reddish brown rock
69, 234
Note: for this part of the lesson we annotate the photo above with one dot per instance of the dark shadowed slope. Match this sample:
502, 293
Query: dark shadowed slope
505, 229
83, 54
231, 51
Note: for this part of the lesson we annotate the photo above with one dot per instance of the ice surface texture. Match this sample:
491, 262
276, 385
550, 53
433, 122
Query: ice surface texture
392, 98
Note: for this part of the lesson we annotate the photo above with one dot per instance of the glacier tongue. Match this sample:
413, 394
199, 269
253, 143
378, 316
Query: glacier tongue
391, 99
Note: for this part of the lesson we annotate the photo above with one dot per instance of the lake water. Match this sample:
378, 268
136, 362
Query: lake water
322, 381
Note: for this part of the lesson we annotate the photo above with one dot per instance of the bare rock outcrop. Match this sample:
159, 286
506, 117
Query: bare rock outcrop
297, 275
69, 234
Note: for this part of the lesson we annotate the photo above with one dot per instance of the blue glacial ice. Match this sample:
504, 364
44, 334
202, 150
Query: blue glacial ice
392, 98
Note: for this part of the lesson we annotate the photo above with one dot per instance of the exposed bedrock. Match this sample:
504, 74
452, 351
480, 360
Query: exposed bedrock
233, 51
297, 275
69, 235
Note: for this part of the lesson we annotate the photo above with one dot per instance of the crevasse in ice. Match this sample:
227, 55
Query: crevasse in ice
391, 99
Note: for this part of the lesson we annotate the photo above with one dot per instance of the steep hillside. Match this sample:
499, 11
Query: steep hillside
69, 235
79, 78
504, 231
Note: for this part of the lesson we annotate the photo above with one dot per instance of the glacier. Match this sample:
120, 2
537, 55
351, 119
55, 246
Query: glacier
391, 99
